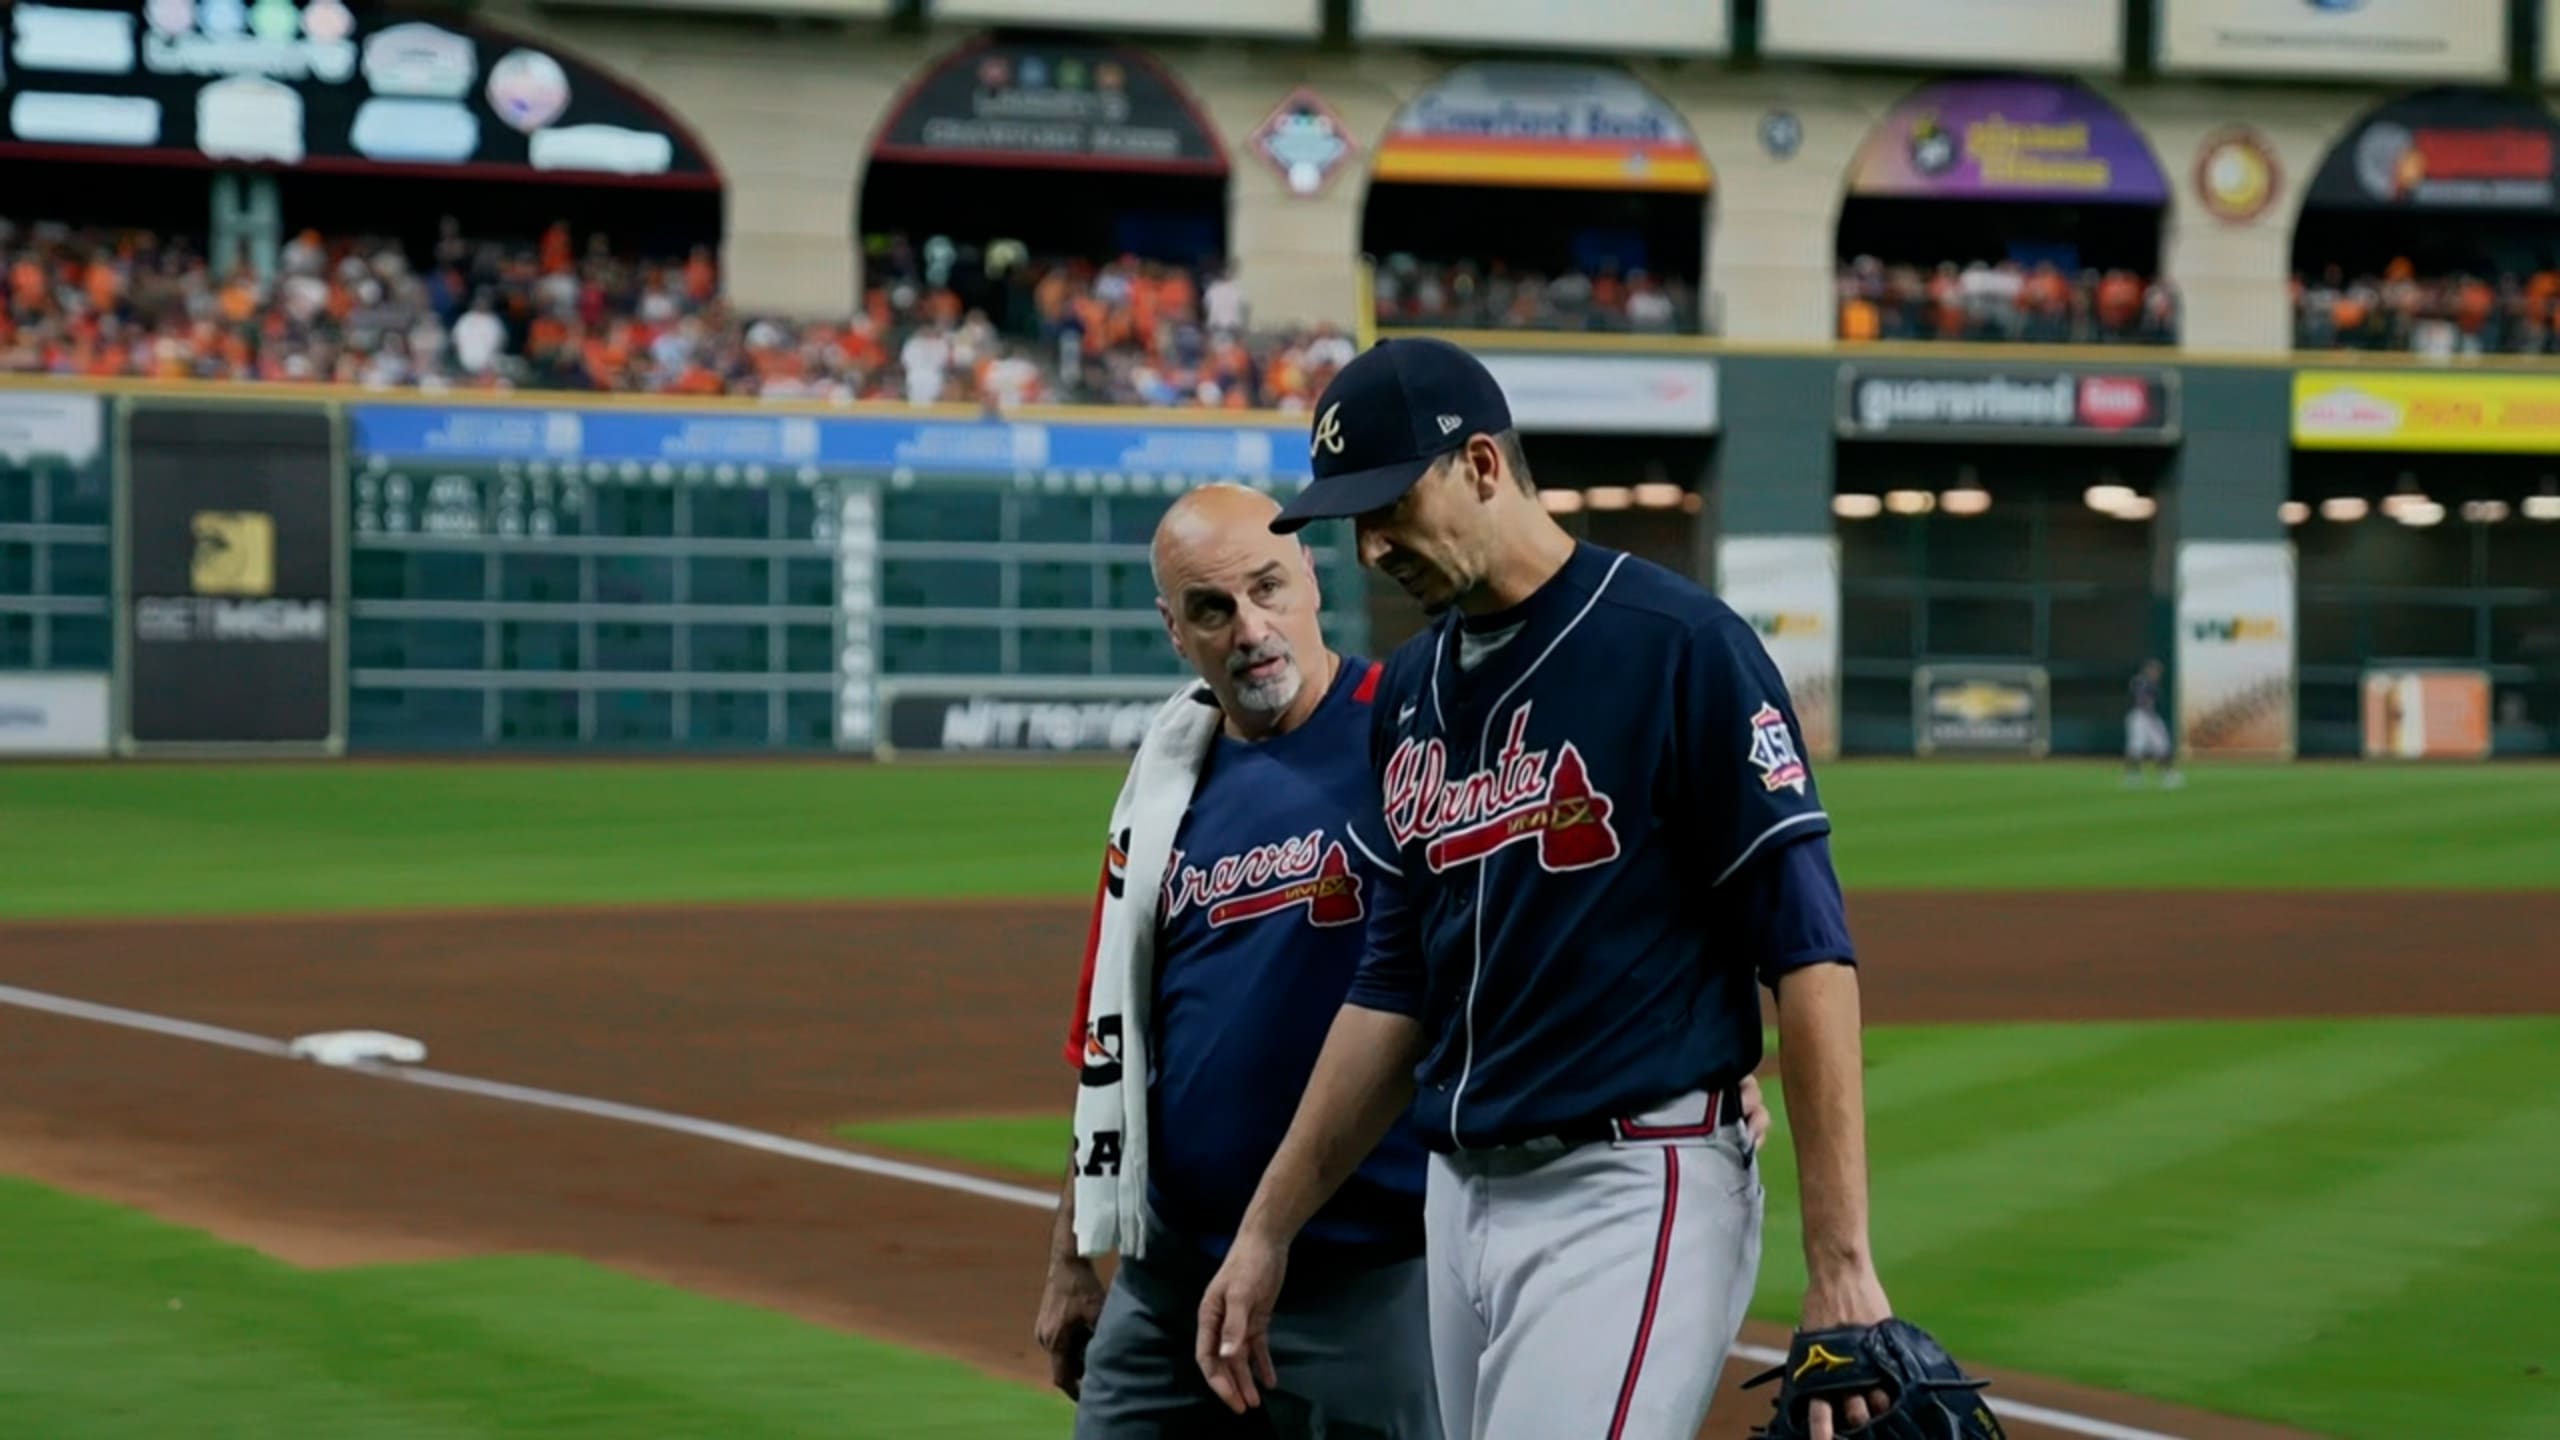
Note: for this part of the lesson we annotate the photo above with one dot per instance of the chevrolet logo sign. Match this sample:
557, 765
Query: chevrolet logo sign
1981, 700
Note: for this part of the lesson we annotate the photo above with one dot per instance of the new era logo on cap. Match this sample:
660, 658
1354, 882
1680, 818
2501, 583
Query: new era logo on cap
1394, 410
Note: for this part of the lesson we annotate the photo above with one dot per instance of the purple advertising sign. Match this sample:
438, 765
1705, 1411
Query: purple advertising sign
2013, 139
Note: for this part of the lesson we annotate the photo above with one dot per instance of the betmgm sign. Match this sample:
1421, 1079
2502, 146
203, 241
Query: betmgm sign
232, 582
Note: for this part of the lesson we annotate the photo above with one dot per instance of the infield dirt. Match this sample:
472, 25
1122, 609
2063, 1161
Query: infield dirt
794, 1019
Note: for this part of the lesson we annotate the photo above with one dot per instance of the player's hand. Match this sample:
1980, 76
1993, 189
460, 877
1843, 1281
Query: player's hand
1849, 1295
1070, 1306
1233, 1347
1755, 1111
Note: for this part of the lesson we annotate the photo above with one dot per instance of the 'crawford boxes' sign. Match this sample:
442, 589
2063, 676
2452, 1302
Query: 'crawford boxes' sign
2128, 405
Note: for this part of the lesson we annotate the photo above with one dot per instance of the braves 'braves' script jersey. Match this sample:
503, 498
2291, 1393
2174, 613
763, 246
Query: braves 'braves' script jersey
1260, 928
1597, 835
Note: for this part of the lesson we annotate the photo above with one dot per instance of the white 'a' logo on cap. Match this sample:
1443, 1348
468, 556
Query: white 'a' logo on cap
1328, 430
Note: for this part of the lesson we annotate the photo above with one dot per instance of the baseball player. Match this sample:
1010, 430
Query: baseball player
2146, 734
1259, 930
1595, 833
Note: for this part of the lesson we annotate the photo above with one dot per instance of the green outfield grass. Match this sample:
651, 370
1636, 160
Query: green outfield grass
120, 1326
162, 839
2336, 1225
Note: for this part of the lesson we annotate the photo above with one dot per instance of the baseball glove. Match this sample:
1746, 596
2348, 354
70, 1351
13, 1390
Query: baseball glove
1932, 1398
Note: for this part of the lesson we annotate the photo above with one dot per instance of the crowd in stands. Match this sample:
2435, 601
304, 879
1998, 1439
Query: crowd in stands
561, 315
2006, 301
2453, 314
1494, 296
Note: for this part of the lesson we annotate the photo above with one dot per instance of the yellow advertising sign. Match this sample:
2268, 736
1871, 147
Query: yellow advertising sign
2348, 410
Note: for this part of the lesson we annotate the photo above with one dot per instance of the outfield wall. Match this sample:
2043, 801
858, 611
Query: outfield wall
1921, 543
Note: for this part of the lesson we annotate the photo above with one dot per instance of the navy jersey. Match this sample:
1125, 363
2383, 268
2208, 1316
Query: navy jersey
1601, 834
1261, 928
2146, 694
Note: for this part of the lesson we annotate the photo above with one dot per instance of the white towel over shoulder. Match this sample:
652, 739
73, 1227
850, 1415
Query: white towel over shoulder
1111, 1100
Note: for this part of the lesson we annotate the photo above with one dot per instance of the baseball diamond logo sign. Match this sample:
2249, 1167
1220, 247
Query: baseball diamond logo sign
2130, 406
1269, 880
1525, 796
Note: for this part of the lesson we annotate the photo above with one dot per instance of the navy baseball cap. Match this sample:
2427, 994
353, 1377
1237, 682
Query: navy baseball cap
1396, 408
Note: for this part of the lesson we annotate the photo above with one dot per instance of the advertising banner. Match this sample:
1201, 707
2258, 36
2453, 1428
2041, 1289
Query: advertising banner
1608, 394
2127, 405
1788, 587
2426, 714
1021, 716
2048, 34
1300, 18
1066, 104
63, 427
1981, 710
54, 714
1527, 124
786, 445
2352, 410
2236, 648
2010, 139
1624, 27
2449, 149
231, 542
326, 86
2335, 39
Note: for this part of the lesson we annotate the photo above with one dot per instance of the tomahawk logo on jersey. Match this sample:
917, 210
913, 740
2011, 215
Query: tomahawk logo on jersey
1573, 796
1306, 873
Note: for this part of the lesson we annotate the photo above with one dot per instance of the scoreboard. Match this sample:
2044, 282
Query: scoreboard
523, 576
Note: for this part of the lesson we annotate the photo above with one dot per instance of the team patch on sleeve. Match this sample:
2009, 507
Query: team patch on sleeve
1773, 750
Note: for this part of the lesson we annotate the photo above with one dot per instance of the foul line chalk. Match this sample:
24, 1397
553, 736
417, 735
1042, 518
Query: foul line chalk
771, 1144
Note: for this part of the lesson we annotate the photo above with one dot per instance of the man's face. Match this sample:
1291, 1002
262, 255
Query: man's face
1435, 540
1242, 609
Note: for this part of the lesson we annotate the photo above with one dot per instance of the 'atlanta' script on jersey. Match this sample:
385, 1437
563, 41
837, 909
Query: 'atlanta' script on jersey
1266, 880
1524, 795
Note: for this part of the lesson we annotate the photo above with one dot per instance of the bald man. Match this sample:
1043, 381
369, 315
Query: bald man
1251, 963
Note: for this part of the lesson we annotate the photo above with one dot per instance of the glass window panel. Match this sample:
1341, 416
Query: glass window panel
2331, 632
2525, 553
17, 567
1132, 585
2110, 628
942, 515
727, 649
1144, 652
2406, 631
809, 649
635, 647
1875, 625
80, 496
728, 580
17, 496
635, 715
82, 642
1044, 651
2397, 554
1054, 519
2523, 635
1998, 544
417, 575
17, 641
1132, 519
1055, 585
1882, 548
941, 584
2002, 627
635, 579
809, 582
730, 514
941, 649
548, 578
537, 645
809, 718
414, 644
399, 717
538, 715
79, 569
725, 717
631, 511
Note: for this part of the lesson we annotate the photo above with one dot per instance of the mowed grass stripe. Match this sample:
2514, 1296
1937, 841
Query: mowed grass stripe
1917, 1068
510, 1346
1953, 1182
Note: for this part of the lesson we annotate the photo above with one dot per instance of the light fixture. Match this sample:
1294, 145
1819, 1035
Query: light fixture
1854, 506
2105, 498
2542, 507
2425, 512
2140, 507
1657, 495
1692, 503
1561, 502
1910, 502
2294, 512
2398, 504
1965, 502
2344, 509
1609, 497
2484, 512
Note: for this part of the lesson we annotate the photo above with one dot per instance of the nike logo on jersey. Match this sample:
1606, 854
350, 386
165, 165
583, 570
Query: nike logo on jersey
1525, 797
1404, 712
1269, 880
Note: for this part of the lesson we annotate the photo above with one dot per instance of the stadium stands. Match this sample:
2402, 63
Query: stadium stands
2449, 314
1984, 302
